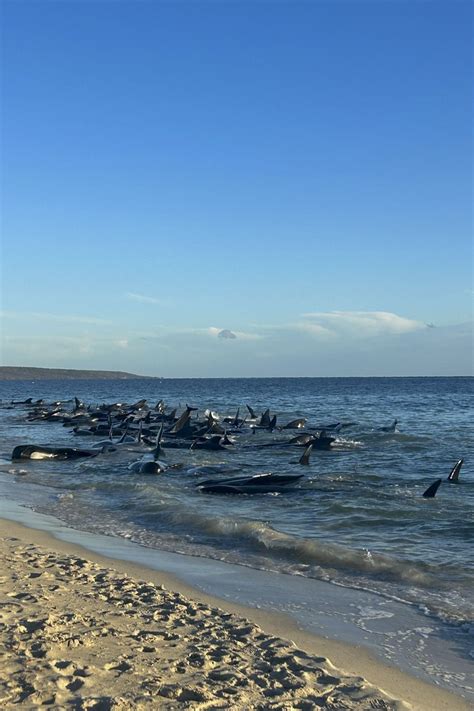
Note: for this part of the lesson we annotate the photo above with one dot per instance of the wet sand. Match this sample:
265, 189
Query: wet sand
82, 631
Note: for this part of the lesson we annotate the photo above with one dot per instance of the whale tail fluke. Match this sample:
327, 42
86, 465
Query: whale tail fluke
430, 493
252, 412
226, 439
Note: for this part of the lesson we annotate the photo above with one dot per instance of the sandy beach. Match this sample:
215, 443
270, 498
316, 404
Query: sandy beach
82, 632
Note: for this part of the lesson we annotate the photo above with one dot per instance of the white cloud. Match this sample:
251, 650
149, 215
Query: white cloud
53, 317
282, 350
359, 323
314, 329
141, 298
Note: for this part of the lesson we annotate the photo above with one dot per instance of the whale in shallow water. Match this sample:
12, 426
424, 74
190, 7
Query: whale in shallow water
182, 427
258, 484
151, 465
38, 451
430, 492
148, 466
214, 443
295, 424
389, 428
333, 427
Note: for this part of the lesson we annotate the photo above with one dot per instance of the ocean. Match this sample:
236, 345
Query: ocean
356, 520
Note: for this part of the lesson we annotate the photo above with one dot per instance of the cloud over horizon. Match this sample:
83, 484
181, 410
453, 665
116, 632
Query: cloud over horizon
359, 324
317, 343
65, 318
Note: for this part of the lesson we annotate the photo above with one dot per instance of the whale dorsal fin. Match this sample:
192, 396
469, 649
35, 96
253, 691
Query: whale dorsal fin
265, 418
430, 493
122, 438
304, 459
454, 473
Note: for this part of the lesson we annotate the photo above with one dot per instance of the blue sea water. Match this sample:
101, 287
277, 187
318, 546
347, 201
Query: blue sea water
358, 519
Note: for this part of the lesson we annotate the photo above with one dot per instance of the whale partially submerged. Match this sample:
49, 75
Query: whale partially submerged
148, 466
430, 492
38, 451
257, 484
389, 429
304, 459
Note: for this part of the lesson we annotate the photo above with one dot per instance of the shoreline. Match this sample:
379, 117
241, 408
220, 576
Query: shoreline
353, 660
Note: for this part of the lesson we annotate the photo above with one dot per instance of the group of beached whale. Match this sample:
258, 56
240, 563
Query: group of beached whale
120, 425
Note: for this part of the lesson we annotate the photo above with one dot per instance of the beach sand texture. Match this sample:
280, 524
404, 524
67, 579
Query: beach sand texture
77, 635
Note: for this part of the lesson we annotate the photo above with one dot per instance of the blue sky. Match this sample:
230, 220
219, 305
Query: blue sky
299, 174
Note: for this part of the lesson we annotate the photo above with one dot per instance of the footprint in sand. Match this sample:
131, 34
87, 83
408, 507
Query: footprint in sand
31, 626
26, 597
9, 609
121, 667
70, 683
61, 664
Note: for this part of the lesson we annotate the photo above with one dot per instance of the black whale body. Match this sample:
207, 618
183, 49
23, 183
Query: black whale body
261, 483
38, 451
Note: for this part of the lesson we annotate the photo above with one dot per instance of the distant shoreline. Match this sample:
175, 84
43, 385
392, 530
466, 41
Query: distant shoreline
26, 373
12, 373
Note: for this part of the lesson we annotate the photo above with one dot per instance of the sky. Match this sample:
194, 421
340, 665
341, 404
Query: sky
200, 189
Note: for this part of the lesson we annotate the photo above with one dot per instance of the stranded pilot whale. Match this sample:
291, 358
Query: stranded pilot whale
148, 466
258, 484
38, 451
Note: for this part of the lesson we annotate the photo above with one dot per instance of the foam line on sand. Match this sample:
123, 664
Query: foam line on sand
77, 634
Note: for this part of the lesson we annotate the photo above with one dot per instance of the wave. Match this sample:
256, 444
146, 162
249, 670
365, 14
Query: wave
259, 537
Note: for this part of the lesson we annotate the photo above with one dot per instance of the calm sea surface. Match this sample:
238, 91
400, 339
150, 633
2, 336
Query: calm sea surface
358, 518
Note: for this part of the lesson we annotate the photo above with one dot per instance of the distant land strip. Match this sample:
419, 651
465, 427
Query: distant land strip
24, 373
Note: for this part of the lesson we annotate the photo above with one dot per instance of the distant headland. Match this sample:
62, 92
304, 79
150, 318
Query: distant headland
25, 373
